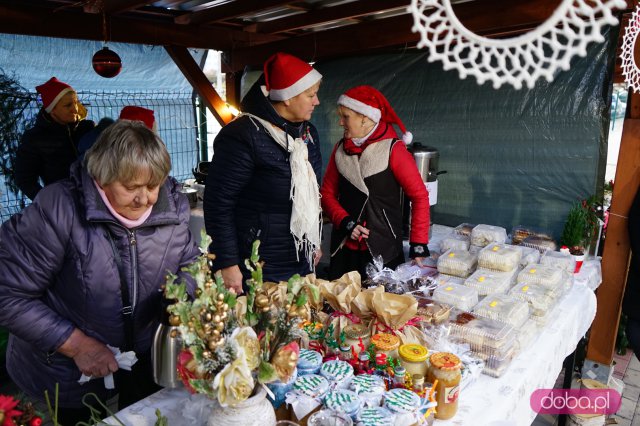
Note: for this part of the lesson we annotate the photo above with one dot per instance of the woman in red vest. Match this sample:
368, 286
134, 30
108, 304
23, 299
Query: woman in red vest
368, 170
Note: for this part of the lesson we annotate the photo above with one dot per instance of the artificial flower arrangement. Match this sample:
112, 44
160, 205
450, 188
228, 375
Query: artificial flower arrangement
233, 343
16, 412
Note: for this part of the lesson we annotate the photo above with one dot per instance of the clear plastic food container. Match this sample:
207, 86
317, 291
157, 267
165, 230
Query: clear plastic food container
459, 296
519, 233
541, 300
456, 242
459, 263
527, 333
547, 276
483, 235
484, 335
464, 229
444, 279
432, 312
499, 257
489, 282
505, 308
528, 255
541, 244
495, 365
564, 261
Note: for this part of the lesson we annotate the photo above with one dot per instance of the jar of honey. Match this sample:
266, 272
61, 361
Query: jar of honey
413, 358
445, 368
386, 343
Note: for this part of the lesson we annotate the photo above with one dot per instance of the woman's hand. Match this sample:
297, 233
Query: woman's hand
232, 278
418, 261
359, 232
92, 357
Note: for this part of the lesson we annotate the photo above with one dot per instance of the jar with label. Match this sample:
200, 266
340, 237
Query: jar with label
354, 334
309, 362
445, 368
418, 383
386, 343
413, 358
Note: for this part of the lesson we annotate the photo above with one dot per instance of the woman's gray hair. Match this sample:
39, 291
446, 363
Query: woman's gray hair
123, 150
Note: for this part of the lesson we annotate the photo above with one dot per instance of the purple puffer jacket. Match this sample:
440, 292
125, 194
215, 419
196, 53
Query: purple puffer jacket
58, 272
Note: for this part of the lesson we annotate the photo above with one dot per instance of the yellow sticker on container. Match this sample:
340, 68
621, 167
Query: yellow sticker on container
451, 254
493, 304
481, 279
495, 248
449, 288
525, 288
532, 270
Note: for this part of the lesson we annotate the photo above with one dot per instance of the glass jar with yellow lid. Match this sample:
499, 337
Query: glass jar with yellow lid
445, 368
413, 358
386, 343
353, 333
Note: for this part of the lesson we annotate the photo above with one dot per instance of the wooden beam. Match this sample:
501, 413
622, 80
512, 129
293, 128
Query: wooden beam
483, 17
615, 259
118, 6
200, 83
328, 14
228, 11
15, 18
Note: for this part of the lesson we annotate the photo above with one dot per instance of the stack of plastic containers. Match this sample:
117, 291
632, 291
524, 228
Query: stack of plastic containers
550, 277
499, 257
483, 235
459, 263
492, 341
541, 300
456, 295
528, 255
564, 261
456, 242
510, 310
487, 282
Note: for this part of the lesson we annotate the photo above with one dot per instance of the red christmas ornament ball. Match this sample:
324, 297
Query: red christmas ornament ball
35, 421
106, 63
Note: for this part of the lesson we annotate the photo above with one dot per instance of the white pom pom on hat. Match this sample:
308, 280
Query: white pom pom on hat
368, 101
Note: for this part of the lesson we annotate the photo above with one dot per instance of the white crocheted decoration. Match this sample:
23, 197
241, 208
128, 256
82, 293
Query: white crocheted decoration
516, 60
629, 66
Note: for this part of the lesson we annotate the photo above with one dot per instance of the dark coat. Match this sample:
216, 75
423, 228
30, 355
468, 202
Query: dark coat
247, 191
59, 273
631, 301
46, 152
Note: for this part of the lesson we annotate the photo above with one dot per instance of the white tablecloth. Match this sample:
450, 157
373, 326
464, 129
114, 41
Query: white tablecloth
488, 400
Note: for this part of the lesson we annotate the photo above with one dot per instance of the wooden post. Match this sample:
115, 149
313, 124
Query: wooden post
615, 259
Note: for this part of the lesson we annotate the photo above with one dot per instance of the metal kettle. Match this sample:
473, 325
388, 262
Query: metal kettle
166, 347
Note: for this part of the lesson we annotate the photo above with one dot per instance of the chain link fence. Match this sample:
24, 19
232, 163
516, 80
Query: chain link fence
175, 115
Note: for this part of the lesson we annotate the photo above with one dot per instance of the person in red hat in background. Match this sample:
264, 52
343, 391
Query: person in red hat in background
48, 149
129, 112
362, 189
263, 180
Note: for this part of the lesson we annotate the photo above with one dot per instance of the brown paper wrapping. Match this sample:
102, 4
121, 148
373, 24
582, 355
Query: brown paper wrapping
339, 294
392, 312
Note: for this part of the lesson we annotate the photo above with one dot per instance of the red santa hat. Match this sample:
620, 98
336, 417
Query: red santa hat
51, 92
136, 113
369, 102
287, 76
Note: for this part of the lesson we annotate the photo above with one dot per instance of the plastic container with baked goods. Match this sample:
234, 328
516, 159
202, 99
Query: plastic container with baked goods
564, 261
519, 233
431, 312
547, 276
459, 263
459, 296
444, 279
496, 364
464, 229
489, 282
528, 255
485, 336
455, 241
541, 244
499, 257
541, 300
527, 332
483, 235
505, 308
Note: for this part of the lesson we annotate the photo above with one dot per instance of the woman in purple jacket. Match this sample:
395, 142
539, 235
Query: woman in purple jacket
82, 268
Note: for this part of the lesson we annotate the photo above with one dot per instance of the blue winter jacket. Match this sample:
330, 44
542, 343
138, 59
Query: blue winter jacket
248, 188
59, 273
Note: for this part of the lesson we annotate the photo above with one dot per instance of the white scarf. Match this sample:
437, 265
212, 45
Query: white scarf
306, 213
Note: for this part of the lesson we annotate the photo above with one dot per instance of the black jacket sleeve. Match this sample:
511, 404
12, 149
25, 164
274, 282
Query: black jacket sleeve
27, 166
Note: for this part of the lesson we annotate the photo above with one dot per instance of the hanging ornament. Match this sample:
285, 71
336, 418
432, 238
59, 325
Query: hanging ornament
106, 63
523, 59
630, 44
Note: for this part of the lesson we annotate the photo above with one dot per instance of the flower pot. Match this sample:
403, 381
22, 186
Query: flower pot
579, 260
255, 411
